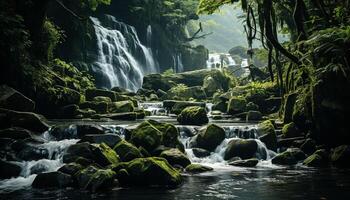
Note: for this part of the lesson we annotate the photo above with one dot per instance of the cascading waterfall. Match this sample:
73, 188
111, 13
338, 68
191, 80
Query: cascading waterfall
122, 60
149, 36
178, 66
215, 60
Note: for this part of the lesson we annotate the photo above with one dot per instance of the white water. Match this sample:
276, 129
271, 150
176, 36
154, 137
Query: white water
215, 60
156, 108
122, 59
178, 66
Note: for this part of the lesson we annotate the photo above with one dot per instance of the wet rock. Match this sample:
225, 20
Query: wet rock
197, 168
309, 146
99, 107
268, 135
242, 148
175, 157
102, 99
90, 94
61, 132
33, 153
95, 179
9, 170
221, 106
52, 180
13, 100
290, 157
121, 107
150, 171
252, 106
183, 92
85, 113
128, 116
15, 133
253, 116
341, 156
71, 168
127, 151
290, 130
236, 105
289, 142
318, 159
110, 139
193, 116
245, 163
179, 106
68, 111
200, 153
209, 137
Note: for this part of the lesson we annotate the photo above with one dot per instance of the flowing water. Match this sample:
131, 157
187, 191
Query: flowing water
122, 59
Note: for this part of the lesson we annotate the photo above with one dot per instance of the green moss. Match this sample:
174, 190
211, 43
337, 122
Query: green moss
197, 168
236, 105
290, 130
210, 137
127, 151
121, 107
266, 127
175, 157
109, 153
193, 115
147, 136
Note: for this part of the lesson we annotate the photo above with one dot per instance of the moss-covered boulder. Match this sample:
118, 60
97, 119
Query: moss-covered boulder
200, 153
242, 148
220, 106
150, 171
318, 159
9, 170
99, 107
193, 115
236, 105
290, 131
121, 107
245, 163
268, 136
290, 157
197, 168
102, 99
182, 92
176, 157
110, 139
95, 179
341, 156
127, 151
71, 168
179, 106
14, 100
253, 115
209, 137
52, 180
90, 94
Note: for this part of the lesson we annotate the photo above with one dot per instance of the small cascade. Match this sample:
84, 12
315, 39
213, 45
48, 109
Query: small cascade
217, 59
149, 35
155, 108
178, 66
122, 60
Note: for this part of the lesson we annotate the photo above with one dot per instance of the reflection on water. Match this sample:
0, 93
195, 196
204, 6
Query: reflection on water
257, 183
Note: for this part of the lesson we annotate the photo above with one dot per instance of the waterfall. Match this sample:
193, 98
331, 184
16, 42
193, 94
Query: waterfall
215, 59
178, 66
122, 60
149, 36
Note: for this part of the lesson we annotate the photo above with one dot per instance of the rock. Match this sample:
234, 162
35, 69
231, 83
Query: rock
71, 168
27, 120
200, 153
209, 137
290, 157
150, 171
30, 153
85, 113
90, 94
179, 106
160, 93
13, 100
242, 148
15, 133
68, 111
52, 180
102, 99
308, 147
9, 170
341, 156
289, 142
193, 116
245, 163
210, 85
85, 129
110, 139
252, 106
289, 107
266, 127
121, 107
94, 179
290, 130
127, 151
175, 157
253, 116
100, 154
197, 168
221, 106
318, 159
156, 82
153, 97
99, 107
268, 134
61, 132
236, 105
128, 116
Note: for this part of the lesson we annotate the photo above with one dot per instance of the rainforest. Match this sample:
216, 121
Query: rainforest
174, 99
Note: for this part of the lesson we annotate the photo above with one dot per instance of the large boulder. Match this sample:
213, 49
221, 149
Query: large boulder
61, 132
90, 94
242, 148
318, 159
245, 163
15, 133
127, 151
268, 136
95, 179
197, 168
99, 107
52, 180
182, 92
200, 153
209, 137
236, 105
150, 171
290, 131
341, 156
290, 157
27, 120
253, 115
71, 168
14, 100
101, 154
9, 170
121, 107
110, 139
179, 106
193, 116
175, 157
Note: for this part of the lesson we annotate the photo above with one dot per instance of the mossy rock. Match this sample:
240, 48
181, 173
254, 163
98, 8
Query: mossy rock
71, 168
52, 180
14, 100
290, 131
236, 105
245, 163
268, 135
318, 159
102, 99
197, 168
253, 115
179, 106
242, 148
99, 107
341, 156
90, 94
175, 157
127, 151
288, 108
209, 137
221, 106
150, 171
290, 157
94, 179
194, 115
182, 92
121, 107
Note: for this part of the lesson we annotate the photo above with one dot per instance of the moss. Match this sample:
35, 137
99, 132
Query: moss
289, 157
266, 127
127, 151
210, 137
147, 136
175, 157
236, 105
290, 130
121, 107
193, 115
109, 154
197, 168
